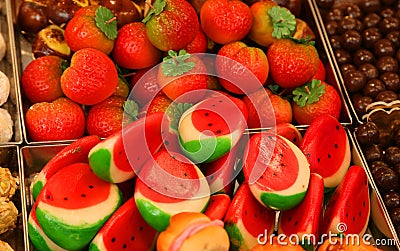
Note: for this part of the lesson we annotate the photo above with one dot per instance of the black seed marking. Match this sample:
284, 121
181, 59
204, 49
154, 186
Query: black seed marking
245, 212
120, 152
209, 124
113, 239
337, 127
269, 137
294, 139
185, 174
281, 154
347, 215
220, 101
363, 203
124, 246
274, 174
282, 164
138, 158
290, 219
359, 213
91, 187
65, 198
261, 211
132, 238
295, 223
255, 215
83, 195
218, 131
336, 146
213, 105
329, 156
206, 114
318, 159
49, 197
140, 228
308, 155
354, 218
165, 188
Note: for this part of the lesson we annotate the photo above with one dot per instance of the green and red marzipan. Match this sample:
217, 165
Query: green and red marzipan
74, 205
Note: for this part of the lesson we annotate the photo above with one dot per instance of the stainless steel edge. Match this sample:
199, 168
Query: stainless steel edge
25, 212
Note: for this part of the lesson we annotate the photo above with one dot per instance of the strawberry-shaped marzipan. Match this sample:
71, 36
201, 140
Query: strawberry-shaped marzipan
315, 99
237, 55
225, 21
171, 24
40, 80
292, 62
61, 119
92, 27
91, 77
182, 77
270, 22
133, 49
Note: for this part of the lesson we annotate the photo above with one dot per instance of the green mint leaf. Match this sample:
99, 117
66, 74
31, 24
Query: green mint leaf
308, 93
155, 10
283, 21
107, 22
175, 64
131, 108
175, 111
305, 41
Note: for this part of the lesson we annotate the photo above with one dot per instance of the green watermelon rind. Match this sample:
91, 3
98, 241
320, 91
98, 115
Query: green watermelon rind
218, 145
282, 202
94, 248
39, 240
37, 186
100, 162
155, 217
97, 244
235, 237
57, 231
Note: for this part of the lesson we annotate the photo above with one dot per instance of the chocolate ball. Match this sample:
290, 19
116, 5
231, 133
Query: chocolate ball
353, 10
354, 80
386, 96
325, 4
369, 70
351, 40
369, 6
371, 20
342, 56
349, 23
374, 166
386, 12
334, 41
389, 24
373, 88
387, 64
367, 133
347, 67
334, 14
395, 216
386, 179
360, 104
384, 47
392, 155
362, 56
392, 200
394, 37
391, 80
331, 28
370, 37
373, 153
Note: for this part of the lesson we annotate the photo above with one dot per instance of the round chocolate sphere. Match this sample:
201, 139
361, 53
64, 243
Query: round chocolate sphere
347, 67
371, 20
360, 104
387, 64
331, 28
351, 40
334, 14
367, 133
386, 96
325, 4
354, 80
342, 56
374, 166
384, 47
392, 155
394, 37
353, 10
386, 179
369, 6
369, 70
335, 41
349, 23
362, 56
395, 216
391, 80
373, 88
373, 153
392, 200
370, 37
389, 24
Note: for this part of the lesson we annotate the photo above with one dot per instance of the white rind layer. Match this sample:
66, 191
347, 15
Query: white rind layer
85, 216
49, 242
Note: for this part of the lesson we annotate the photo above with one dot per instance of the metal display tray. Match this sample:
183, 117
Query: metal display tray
34, 157
8, 67
10, 158
24, 55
